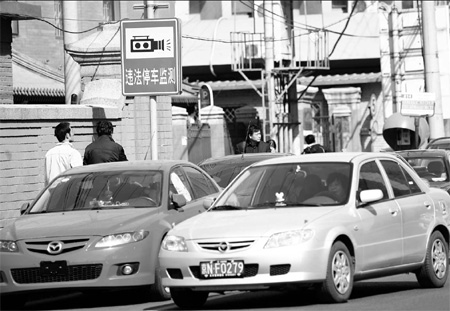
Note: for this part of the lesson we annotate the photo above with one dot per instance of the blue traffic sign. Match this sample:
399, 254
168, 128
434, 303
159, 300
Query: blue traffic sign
151, 57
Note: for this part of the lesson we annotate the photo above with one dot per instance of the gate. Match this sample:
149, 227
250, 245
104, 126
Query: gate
199, 142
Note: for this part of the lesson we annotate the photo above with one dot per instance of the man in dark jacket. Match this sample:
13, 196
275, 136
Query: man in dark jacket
312, 146
104, 148
253, 143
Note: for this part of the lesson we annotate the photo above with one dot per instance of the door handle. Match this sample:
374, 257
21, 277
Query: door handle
393, 211
427, 204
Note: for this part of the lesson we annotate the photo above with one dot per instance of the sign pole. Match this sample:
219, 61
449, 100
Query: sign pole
151, 63
148, 13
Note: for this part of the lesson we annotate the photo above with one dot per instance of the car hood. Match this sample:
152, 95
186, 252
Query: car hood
248, 223
79, 223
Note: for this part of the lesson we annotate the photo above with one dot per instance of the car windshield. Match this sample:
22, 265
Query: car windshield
430, 168
287, 185
101, 190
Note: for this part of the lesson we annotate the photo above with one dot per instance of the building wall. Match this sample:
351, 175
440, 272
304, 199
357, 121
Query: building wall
27, 133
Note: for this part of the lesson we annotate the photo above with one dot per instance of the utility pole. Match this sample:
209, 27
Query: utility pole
269, 78
72, 71
431, 60
395, 58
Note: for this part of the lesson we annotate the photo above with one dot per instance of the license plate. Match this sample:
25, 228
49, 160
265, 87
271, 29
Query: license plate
222, 269
53, 268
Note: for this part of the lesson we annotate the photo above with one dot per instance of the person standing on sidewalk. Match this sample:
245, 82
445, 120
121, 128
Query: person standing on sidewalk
63, 156
253, 142
104, 148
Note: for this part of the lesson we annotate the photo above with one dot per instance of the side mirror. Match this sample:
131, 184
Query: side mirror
208, 201
367, 196
178, 200
24, 207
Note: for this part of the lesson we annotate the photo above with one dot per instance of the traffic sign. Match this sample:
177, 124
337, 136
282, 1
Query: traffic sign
417, 104
151, 57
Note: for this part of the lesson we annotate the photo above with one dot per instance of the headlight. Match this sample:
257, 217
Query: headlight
289, 238
8, 246
122, 238
174, 243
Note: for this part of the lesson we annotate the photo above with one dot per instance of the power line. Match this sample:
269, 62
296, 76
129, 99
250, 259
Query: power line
311, 28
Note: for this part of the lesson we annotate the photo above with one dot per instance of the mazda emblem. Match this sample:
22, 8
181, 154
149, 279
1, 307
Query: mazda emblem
223, 247
55, 247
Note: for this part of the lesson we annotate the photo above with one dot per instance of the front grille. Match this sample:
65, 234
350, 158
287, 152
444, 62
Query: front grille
249, 270
75, 273
69, 245
279, 269
232, 246
175, 273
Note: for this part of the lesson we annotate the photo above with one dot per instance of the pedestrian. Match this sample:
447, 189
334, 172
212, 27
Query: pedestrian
273, 145
104, 148
63, 156
312, 146
253, 142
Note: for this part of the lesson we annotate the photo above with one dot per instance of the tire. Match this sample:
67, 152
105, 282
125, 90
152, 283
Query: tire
157, 291
338, 284
434, 271
188, 299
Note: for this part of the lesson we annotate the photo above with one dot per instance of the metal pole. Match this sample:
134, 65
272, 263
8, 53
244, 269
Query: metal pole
432, 73
268, 38
395, 59
149, 14
72, 72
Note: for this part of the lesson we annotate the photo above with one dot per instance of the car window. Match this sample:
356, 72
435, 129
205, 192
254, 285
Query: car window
180, 185
401, 181
370, 178
201, 184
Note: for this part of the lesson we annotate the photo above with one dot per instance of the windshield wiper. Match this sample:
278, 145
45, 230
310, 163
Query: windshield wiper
226, 208
282, 204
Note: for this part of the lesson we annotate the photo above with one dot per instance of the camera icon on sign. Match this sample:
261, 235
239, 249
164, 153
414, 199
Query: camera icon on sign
146, 44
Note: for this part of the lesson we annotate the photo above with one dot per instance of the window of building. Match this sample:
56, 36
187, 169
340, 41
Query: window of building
58, 20
310, 7
242, 8
207, 9
111, 11
15, 27
340, 4
408, 5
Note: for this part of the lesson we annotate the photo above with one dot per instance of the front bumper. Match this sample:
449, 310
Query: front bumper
263, 267
86, 268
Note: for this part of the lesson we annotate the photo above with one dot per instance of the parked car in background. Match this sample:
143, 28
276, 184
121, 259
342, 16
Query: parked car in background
433, 165
320, 220
439, 143
224, 169
101, 226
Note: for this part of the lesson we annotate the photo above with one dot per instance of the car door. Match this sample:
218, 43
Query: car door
195, 186
380, 231
416, 208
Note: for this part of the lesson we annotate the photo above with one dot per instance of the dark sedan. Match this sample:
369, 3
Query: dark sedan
224, 169
430, 164
439, 143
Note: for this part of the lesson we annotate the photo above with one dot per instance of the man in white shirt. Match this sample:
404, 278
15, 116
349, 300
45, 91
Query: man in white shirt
63, 156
